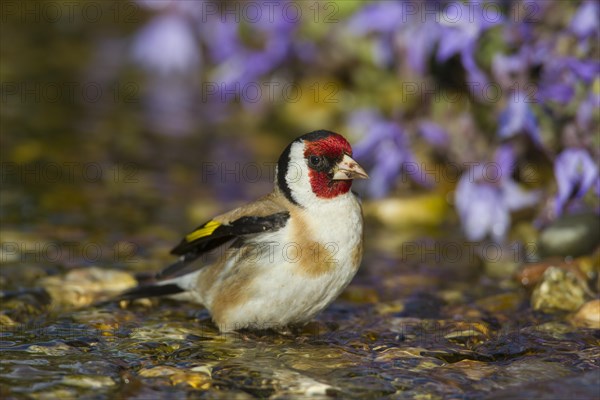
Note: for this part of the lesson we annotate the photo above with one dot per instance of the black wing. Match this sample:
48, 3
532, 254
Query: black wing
213, 234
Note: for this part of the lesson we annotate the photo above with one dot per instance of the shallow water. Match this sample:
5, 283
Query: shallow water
404, 328
95, 186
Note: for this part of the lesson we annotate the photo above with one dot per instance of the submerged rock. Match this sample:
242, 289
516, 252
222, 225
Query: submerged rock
88, 381
423, 210
588, 316
583, 386
559, 290
571, 235
82, 287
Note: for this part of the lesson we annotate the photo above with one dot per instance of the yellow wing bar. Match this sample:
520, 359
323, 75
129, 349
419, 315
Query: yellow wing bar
206, 230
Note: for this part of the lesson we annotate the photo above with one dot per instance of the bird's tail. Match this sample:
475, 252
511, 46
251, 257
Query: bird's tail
164, 284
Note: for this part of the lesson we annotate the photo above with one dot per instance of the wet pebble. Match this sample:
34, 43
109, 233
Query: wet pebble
198, 377
422, 305
429, 210
291, 383
56, 349
88, 381
547, 386
360, 294
531, 369
196, 380
155, 372
588, 316
504, 302
474, 370
559, 290
571, 235
55, 394
6, 321
82, 287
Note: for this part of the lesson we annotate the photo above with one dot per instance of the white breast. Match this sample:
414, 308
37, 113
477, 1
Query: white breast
283, 291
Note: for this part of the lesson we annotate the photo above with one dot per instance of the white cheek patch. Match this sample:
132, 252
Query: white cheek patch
297, 177
295, 172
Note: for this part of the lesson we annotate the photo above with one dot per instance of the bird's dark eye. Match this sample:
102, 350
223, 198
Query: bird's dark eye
315, 161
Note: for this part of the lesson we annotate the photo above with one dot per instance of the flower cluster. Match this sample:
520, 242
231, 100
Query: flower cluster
508, 82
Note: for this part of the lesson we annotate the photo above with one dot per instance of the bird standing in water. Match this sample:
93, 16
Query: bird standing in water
291, 252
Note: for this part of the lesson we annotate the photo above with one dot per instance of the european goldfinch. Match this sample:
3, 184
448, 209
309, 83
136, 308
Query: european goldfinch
289, 254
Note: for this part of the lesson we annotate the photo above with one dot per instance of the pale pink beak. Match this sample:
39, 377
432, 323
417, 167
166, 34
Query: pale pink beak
348, 169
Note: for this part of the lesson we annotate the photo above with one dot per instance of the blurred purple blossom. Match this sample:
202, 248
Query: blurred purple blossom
386, 19
385, 146
505, 160
585, 112
420, 39
239, 63
481, 209
559, 92
382, 17
461, 30
575, 173
166, 45
459, 35
518, 118
585, 21
561, 75
192, 9
586, 70
156, 5
486, 195
401, 23
419, 26
434, 134
507, 69
242, 52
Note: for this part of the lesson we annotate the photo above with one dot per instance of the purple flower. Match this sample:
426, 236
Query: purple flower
585, 21
481, 209
561, 93
561, 76
382, 17
434, 134
408, 25
575, 173
420, 38
585, 111
384, 145
518, 118
459, 35
239, 63
484, 208
505, 161
586, 70
506, 67
167, 45
417, 27
486, 195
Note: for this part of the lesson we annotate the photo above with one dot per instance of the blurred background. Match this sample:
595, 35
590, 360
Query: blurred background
125, 117
124, 124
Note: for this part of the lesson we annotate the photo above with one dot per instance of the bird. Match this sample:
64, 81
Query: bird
287, 255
